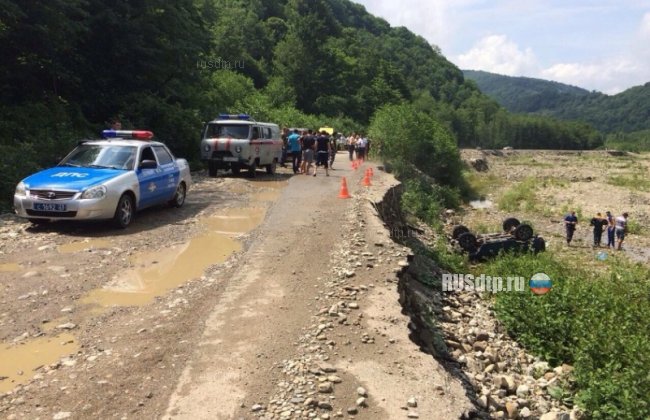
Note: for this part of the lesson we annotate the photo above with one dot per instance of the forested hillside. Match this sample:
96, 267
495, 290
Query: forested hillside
627, 112
69, 66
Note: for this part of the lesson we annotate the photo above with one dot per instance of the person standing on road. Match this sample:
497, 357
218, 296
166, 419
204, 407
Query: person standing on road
350, 143
308, 142
293, 141
361, 147
285, 141
621, 229
598, 223
611, 228
570, 223
333, 150
322, 152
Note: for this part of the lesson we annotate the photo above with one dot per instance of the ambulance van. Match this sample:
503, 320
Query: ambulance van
237, 142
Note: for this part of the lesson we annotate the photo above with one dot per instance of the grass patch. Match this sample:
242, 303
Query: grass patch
633, 182
520, 197
529, 161
596, 321
481, 183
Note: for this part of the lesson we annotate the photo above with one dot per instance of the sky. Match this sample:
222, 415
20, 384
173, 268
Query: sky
600, 45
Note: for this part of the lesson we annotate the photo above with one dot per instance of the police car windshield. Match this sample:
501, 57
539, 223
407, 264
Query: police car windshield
102, 156
234, 131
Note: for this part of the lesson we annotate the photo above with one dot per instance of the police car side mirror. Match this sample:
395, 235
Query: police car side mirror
148, 164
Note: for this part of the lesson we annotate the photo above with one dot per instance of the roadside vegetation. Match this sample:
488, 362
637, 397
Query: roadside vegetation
594, 319
68, 68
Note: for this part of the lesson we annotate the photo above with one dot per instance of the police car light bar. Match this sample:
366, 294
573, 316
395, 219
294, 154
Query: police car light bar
127, 134
234, 117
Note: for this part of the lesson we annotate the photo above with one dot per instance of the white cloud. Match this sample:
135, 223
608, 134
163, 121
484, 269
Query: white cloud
611, 76
644, 29
497, 54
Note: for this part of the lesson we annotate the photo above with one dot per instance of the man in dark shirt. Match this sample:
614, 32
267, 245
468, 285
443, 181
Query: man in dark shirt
322, 152
570, 222
598, 223
308, 142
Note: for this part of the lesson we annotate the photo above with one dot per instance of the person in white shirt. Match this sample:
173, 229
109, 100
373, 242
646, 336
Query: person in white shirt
621, 229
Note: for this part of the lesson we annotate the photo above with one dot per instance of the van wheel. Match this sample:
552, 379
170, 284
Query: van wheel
270, 169
212, 169
252, 169
124, 212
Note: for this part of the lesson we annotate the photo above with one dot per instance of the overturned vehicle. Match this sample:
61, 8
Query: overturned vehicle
516, 237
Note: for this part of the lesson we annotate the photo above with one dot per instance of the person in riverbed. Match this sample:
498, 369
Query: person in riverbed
570, 223
621, 229
611, 229
598, 222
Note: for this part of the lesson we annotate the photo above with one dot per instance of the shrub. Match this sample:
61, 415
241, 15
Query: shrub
597, 322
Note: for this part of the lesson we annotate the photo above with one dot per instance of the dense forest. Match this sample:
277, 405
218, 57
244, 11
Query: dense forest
69, 66
626, 112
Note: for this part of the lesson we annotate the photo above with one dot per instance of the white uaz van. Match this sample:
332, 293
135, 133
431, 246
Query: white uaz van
238, 142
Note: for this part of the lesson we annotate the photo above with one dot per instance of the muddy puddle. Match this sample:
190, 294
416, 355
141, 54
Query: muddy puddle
85, 245
156, 273
18, 363
159, 272
266, 195
236, 221
9, 267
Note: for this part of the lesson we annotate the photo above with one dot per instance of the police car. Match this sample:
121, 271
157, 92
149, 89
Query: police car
110, 179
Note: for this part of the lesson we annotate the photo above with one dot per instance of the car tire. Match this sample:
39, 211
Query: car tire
212, 169
458, 230
235, 169
523, 232
467, 242
539, 245
124, 212
179, 196
252, 170
270, 169
510, 223
37, 222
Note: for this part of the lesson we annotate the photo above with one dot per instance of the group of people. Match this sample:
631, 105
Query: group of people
359, 144
616, 228
307, 148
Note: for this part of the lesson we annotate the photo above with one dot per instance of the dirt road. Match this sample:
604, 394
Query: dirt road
260, 298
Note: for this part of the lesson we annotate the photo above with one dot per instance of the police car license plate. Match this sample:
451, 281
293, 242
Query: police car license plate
230, 159
49, 207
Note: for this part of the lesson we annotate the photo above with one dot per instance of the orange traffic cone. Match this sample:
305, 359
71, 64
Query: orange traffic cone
366, 179
344, 189
371, 172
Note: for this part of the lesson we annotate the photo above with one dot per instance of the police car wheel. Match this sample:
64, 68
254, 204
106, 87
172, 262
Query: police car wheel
124, 212
38, 221
179, 196
270, 169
